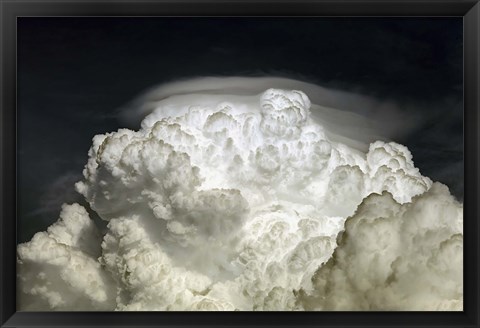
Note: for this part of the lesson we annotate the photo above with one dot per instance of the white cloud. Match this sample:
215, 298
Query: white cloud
58, 269
396, 257
226, 203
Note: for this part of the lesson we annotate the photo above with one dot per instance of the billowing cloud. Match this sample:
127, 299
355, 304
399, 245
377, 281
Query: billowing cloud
396, 257
350, 117
241, 203
58, 269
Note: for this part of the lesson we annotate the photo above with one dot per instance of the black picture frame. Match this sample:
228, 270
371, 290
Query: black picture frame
10, 10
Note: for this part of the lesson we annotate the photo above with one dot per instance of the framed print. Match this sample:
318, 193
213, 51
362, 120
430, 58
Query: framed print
227, 163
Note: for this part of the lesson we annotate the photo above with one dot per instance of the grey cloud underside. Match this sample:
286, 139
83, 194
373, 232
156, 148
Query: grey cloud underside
249, 202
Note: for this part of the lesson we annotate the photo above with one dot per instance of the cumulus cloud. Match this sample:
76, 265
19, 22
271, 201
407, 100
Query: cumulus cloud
350, 117
58, 269
395, 257
241, 203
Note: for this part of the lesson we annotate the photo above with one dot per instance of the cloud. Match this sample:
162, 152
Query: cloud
229, 202
395, 257
354, 118
58, 269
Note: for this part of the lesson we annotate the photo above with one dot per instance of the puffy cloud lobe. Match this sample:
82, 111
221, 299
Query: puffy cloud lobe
229, 205
58, 269
147, 277
283, 112
396, 257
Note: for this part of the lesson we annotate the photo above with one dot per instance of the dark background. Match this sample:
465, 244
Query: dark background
75, 73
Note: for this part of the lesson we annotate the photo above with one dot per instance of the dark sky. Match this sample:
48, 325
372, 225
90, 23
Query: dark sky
75, 73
